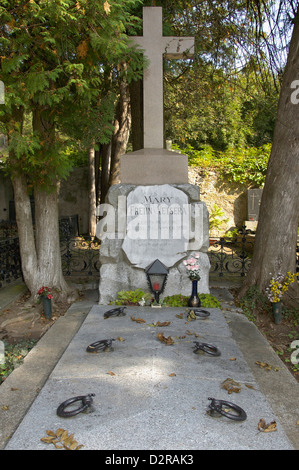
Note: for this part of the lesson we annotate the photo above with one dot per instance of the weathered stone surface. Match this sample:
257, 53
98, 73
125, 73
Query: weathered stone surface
121, 276
153, 166
155, 47
157, 225
117, 272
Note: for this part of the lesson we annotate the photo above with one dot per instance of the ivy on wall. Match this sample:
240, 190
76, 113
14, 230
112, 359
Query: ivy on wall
247, 166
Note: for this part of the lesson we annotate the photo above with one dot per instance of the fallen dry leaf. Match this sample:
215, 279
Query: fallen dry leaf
264, 427
231, 386
165, 323
138, 320
61, 440
250, 386
110, 372
191, 316
165, 340
266, 366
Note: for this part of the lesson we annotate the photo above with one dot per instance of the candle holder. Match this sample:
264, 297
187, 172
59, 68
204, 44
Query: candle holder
156, 274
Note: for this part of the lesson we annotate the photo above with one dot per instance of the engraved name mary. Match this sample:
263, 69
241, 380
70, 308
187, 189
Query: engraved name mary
158, 225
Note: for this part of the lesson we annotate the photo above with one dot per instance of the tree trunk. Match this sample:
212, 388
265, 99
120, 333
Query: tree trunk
39, 249
136, 100
25, 232
122, 130
40, 253
48, 242
276, 237
92, 192
105, 170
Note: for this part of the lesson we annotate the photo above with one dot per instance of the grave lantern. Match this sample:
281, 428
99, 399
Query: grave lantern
156, 274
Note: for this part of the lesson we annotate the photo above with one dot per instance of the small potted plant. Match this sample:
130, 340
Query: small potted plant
45, 295
279, 284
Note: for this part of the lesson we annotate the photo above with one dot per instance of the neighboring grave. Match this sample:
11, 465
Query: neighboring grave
254, 197
154, 213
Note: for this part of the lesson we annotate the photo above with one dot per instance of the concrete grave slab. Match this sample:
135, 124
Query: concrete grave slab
148, 395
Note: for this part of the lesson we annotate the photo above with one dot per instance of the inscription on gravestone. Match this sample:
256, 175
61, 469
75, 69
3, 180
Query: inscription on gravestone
158, 225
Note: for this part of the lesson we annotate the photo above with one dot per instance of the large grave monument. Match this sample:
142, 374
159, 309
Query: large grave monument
153, 213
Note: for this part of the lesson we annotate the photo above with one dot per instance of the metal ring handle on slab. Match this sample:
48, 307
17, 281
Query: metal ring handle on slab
207, 348
86, 402
201, 313
103, 344
115, 312
216, 407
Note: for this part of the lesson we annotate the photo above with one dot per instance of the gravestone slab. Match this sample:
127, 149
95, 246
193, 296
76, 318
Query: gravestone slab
254, 197
132, 240
157, 225
153, 166
154, 213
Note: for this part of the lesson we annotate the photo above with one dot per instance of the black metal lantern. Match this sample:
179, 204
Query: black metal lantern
156, 274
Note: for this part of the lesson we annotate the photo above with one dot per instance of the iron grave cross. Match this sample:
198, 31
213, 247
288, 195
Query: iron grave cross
155, 45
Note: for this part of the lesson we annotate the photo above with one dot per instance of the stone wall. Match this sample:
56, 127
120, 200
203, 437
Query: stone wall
73, 197
229, 196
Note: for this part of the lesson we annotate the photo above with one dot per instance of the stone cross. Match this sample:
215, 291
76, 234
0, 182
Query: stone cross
155, 45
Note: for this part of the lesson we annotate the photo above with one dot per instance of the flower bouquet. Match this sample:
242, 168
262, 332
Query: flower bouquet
45, 292
278, 286
192, 267
45, 296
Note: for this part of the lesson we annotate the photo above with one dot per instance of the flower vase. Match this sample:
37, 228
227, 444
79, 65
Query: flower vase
194, 300
277, 309
47, 305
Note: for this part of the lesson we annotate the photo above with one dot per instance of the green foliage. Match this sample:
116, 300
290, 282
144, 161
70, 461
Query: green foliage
209, 301
216, 219
14, 356
59, 61
242, 165
179, 300
248, 166
132, 297
253, 302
